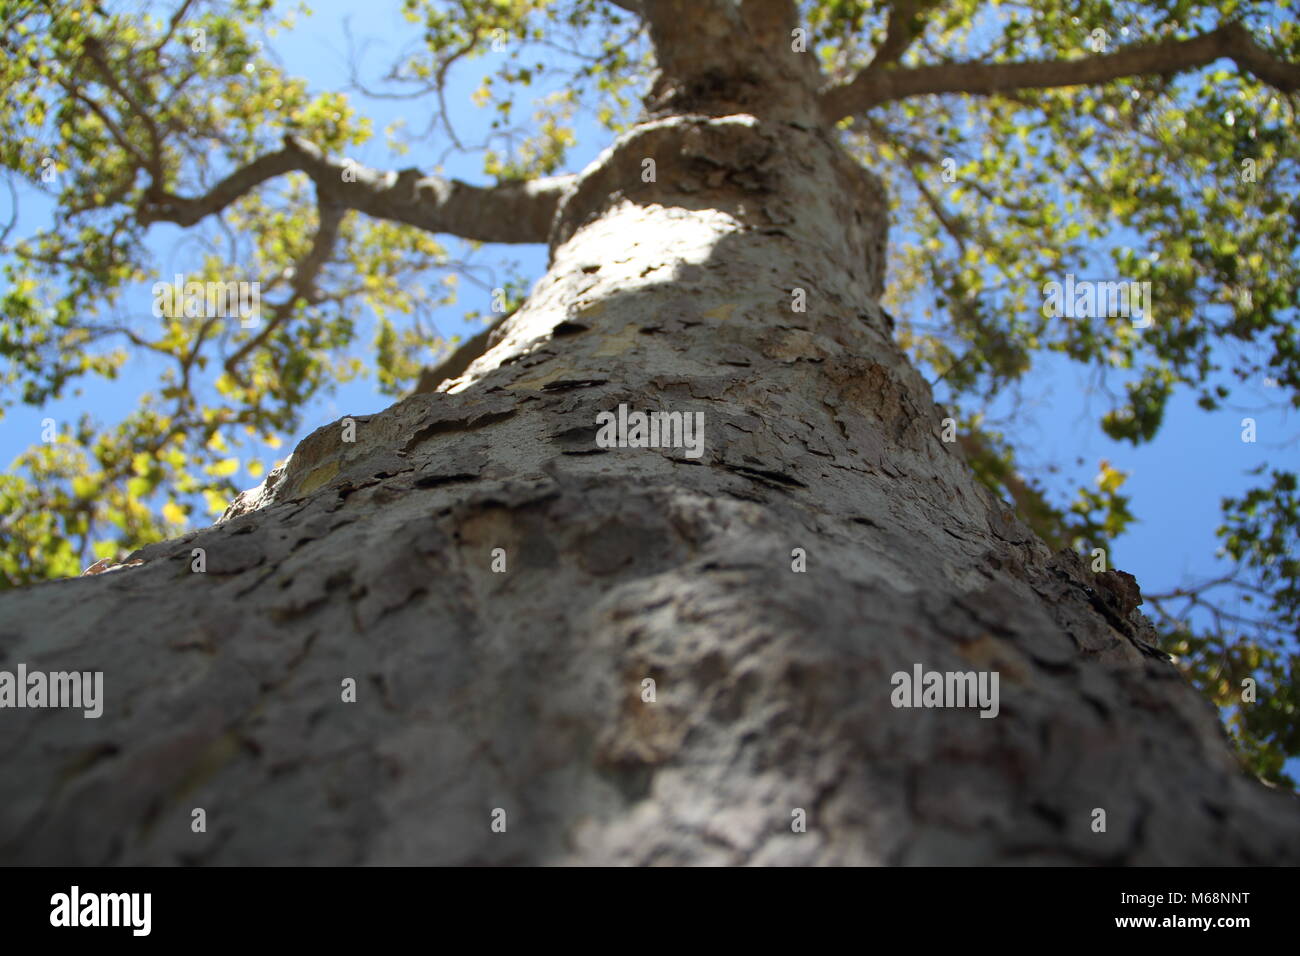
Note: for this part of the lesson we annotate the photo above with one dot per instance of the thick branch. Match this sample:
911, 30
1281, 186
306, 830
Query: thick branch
327, 235
723, 57
690, 35
165, 207
695, 37
906, 20
871, 88
509, 212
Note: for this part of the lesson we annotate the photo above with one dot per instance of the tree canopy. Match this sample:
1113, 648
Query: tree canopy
1020, 142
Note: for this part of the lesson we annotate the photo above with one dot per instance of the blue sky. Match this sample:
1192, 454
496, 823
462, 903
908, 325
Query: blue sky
1176, 481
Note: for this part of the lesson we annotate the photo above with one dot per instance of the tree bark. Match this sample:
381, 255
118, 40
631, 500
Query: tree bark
522, 691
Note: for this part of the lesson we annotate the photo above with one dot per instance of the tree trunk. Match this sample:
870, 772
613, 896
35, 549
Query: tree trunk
523, 690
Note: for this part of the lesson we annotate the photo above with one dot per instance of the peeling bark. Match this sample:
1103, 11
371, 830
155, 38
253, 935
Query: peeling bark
522, 690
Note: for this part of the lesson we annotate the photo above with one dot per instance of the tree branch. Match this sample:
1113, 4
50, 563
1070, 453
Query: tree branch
96, 54
508, 212
161, 206
871, 87
308, 270
172, 24
906, 20
303, 281
119, 137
